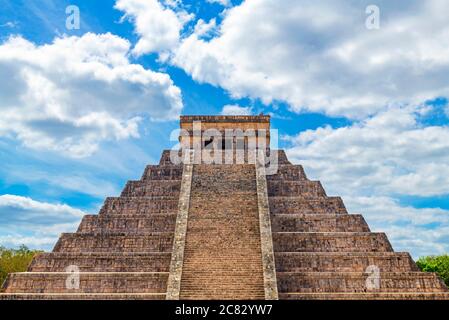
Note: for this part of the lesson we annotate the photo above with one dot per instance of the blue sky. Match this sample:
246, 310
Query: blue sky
365, 111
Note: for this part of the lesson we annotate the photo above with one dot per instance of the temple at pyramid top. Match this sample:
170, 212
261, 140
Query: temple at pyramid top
231, 132
214, 230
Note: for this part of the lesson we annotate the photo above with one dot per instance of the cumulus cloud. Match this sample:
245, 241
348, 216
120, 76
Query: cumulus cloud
225, 3
203, 28
421, 231
376, 161
235, 110
70, 95
85, 183
33, 223
390, 153
158, 26
319, 56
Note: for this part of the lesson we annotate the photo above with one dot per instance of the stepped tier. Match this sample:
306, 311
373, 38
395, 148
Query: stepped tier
89, 282
343, 261
354, 282
166, 172
152, 188
128, 223
366, 296
102, 262
139, 206
288, 173
282, 158
330, 242
301, 188
115, 242
299, 205
318, 223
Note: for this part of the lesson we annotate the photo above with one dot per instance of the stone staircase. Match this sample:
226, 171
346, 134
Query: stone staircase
322, 252
128, 250
223, 258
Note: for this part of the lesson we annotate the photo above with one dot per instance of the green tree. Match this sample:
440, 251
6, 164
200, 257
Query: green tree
14, 260
438, 264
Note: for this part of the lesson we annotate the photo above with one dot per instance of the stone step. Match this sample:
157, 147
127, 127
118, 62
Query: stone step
139, 206
82, 296
331, 242
228, 215
225, 279
225, 172
222, 255
366, 296
89, 282
300, 188
282, 157
217, 271
343, 261
288, 173
299, 205
114, 242
352, 282
166, 172
243, 198
165, 158
224, 265
128, 223
167, 188
222, 295
101, 262
204, 189
318, 223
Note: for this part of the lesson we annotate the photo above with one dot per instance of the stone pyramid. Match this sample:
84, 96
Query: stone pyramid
223, 231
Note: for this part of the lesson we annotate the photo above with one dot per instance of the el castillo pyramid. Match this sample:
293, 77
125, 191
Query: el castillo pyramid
194, 230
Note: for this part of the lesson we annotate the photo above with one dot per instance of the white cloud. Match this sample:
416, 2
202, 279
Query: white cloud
376, 161
70, 95
319, 56
390, 153
421, 231
204, 29
33, 223
234, 110
159, 27
225, 3
85, 183
9, 24
34, 208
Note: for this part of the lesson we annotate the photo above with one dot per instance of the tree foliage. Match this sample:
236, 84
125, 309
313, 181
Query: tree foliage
14, 260
438, 264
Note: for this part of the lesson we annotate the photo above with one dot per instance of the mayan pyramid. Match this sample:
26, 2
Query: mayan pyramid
223, 231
